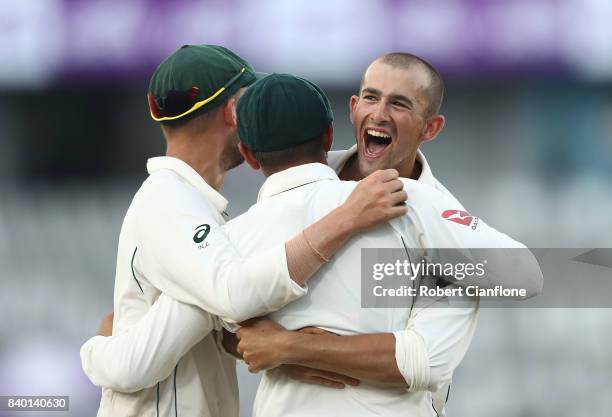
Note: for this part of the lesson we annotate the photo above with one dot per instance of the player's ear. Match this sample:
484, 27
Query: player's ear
248, 156
229, 108
229, 112
352, 104
433, 127
328, 137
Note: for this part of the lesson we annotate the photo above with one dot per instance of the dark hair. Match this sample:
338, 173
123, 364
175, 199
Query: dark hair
271, 161
435, 90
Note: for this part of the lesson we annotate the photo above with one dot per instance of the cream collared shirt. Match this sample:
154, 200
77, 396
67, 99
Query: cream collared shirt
173, 250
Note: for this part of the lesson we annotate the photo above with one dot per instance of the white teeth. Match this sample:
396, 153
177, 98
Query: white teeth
378, 134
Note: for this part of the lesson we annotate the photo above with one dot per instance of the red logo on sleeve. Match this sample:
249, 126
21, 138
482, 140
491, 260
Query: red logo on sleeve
458, 216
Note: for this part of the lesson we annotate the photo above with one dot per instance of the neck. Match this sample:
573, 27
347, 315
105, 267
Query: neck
267, 171
409, 168
202, 153
350, 171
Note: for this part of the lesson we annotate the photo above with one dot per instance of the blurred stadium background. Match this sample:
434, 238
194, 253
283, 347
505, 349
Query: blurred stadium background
528, 147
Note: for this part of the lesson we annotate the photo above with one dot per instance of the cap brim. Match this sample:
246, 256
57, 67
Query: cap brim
254, 77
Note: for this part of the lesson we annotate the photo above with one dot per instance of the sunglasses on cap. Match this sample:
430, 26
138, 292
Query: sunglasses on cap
183, 102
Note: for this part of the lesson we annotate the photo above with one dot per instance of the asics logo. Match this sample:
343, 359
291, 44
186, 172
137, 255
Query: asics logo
201, 233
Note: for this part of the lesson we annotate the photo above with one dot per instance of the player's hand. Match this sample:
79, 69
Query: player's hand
258, 343
230, 344
377, 198
318, 377
106, 325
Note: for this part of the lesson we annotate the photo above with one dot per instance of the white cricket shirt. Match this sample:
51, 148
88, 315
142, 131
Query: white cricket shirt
172, 241
428, 347
288, 202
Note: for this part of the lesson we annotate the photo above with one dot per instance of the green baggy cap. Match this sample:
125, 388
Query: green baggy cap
281, 111
196, 78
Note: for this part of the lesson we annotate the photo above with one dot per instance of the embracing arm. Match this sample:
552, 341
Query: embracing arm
297, 372
425, 353
265, 344
368, 357
189, 257
147, 351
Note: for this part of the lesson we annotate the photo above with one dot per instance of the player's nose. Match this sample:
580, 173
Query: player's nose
379, 113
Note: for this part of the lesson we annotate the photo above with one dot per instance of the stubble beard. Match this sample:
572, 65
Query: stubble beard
231, 157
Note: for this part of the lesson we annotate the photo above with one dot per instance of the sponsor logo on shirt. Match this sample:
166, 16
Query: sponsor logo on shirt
200, 235
461, 217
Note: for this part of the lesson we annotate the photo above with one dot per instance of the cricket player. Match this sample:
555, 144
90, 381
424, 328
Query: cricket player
396, 110
298, 195
172, 243
413, 355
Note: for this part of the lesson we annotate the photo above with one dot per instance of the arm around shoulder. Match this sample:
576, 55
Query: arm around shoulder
147, 351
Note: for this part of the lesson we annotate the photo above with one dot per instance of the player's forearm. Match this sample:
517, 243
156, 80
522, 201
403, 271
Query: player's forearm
147, 351
237, 288
376, 200
109, 365
368, 357
308, 251
330, 233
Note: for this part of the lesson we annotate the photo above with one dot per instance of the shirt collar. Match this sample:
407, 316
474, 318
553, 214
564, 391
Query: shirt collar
426, 174
182, 169
295, 177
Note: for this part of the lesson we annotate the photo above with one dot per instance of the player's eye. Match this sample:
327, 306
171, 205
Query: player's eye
369, 98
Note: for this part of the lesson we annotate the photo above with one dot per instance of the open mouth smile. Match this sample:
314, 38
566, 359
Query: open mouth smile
375, 143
